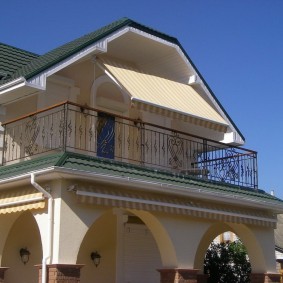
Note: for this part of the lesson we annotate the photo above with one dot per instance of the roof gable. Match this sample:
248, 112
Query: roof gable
50, 59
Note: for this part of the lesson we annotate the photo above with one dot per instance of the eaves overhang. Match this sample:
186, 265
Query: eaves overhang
80, 167
17, 89
194, 191
136, 194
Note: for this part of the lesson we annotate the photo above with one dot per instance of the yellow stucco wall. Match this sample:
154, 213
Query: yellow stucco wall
23, 234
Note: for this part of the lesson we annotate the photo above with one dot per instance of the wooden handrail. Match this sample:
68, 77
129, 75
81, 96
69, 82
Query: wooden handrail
124, 118
34, 113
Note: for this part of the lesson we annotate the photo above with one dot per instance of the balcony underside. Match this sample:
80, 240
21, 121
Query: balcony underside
74, 128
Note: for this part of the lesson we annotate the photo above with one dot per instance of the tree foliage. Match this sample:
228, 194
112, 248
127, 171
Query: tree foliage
227, 262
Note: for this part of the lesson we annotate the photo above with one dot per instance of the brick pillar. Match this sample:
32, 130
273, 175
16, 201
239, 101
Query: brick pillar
62, 273
178, 275
265, 278
280, 261
2, 273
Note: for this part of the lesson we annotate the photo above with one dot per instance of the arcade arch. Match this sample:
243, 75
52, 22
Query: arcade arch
25, 225
256, 240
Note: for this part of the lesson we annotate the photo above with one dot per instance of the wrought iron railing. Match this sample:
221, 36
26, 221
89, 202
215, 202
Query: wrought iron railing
71, 127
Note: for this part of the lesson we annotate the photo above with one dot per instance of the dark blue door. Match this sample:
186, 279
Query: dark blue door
105, 135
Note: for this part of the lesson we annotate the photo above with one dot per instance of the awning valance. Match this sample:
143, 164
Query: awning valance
159, 95
172, 205
20, 200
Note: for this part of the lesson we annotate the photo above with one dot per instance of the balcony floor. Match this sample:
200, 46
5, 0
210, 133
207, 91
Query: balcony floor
75, 163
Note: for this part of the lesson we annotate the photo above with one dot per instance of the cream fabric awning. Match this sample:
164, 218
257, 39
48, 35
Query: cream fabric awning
20, 200
169, 204
167, 97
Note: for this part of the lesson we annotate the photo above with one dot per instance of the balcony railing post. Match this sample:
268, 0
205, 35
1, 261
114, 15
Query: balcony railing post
65, 119
205, 154
4, 146
255, 169
239, 170
142, 139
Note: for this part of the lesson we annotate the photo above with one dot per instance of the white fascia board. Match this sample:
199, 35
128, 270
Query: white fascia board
12, 85
18, 83
95, 48
152, 37
16, 90
237, 137
38, 82
40, 79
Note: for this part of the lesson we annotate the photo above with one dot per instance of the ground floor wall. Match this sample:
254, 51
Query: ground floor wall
136, 246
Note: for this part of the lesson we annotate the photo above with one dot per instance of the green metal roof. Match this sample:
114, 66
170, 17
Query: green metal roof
25, 167
84, 163
43, 62
12, 59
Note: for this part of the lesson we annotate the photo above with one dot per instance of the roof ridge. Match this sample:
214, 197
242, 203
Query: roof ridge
155, 32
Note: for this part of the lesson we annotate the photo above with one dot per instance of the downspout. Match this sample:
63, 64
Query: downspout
47, 256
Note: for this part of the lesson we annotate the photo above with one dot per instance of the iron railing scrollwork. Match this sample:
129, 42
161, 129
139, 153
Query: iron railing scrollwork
73, 127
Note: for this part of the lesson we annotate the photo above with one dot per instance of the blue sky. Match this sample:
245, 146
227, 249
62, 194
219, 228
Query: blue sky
237, 45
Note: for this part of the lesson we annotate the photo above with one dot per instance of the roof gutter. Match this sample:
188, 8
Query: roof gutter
13, 84
25, 176
17, 89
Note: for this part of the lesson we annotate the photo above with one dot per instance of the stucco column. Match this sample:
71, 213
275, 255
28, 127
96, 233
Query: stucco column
176, 275
62, 273
2, 273
265, 278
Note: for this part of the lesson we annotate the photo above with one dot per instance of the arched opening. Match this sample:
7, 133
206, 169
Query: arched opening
27, 228
251, 237
227, 260
129, 249
101, 237
108, 95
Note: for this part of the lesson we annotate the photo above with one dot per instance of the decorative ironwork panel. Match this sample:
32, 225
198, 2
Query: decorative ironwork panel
176, 151
83, 129
105, 136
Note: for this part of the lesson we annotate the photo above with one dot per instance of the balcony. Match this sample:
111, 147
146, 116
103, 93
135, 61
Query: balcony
72, 127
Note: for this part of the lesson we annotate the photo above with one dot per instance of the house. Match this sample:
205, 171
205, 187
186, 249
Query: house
119, 164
